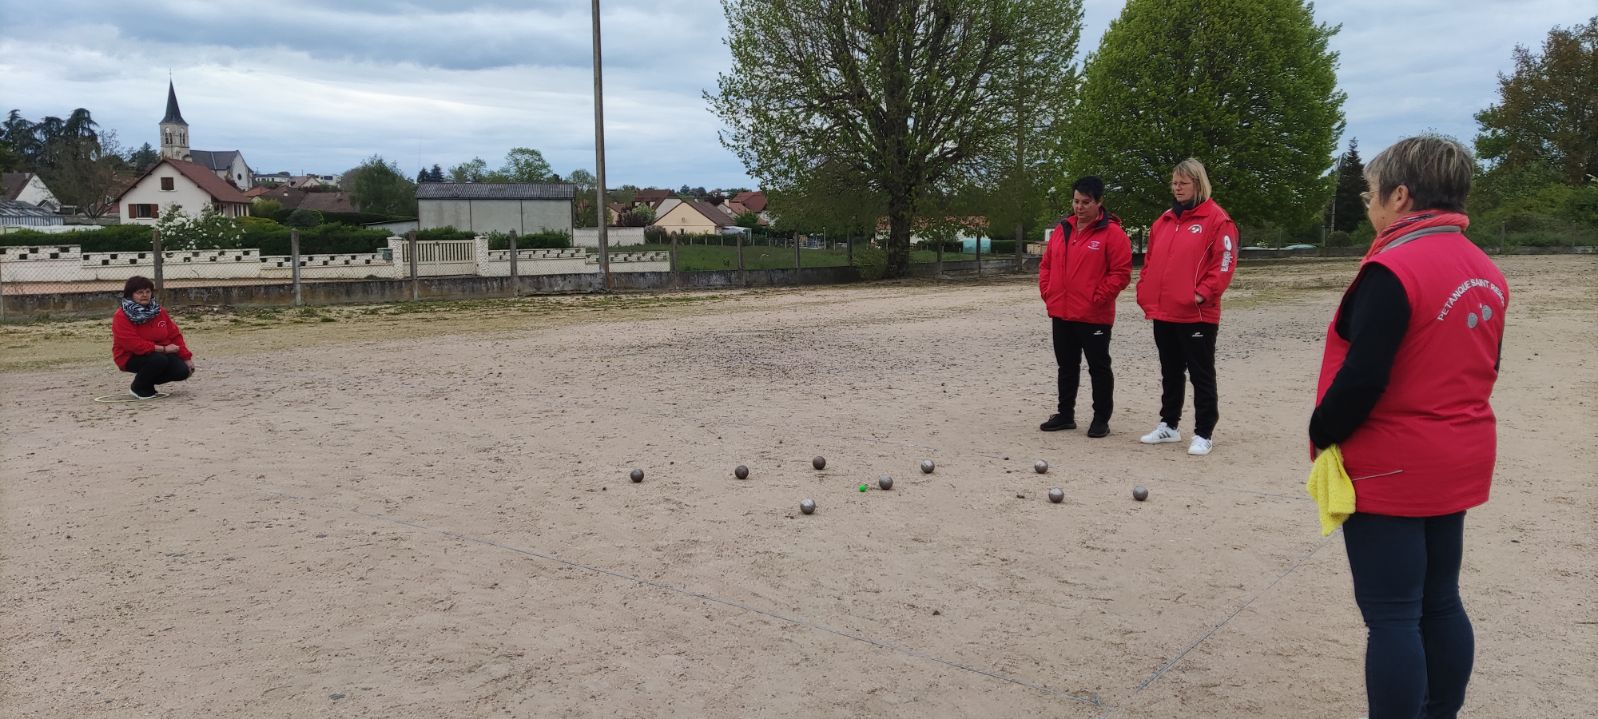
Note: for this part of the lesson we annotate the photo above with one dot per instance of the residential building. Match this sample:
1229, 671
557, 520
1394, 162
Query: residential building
495, 207
27, 187
694, 217
228, 165
27, 214
185, 184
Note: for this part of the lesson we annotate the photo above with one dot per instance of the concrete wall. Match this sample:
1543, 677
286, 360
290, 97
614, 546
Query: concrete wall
484, 216
614, 236
66, 304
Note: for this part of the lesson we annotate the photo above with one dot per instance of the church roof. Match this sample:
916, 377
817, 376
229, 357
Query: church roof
173, 115
213, 159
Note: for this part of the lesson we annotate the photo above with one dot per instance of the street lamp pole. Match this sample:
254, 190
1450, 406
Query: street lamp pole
599, 154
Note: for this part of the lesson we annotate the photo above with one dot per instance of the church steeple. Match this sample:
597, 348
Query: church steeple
174, 131
174, 116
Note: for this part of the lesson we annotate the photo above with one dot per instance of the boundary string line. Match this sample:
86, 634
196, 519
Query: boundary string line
1173, 661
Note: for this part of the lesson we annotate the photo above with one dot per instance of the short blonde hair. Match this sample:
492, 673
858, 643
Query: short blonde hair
1194, 170
1436, 169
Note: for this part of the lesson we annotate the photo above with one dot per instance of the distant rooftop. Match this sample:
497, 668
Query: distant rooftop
493, 191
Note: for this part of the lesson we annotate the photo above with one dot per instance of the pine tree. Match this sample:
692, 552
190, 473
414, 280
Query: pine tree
1347, 209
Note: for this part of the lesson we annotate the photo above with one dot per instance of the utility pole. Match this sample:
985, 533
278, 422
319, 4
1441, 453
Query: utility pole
599, 153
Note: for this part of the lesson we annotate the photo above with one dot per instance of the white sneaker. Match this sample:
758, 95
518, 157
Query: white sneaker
1162, 434
1200, 446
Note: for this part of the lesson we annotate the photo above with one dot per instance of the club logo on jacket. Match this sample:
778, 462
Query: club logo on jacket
1095, 244
1195, 229
1226, 253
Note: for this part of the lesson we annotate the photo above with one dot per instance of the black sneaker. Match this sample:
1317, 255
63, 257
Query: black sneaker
1057, 422
1099, 428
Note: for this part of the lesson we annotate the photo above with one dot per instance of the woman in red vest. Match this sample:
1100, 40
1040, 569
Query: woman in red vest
1411, 357
146, 342
1191, 255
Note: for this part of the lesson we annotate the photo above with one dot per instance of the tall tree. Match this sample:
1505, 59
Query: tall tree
524, 164
1347, 209
474, 170
141, 159
436, 174
1027, 182
1247, 86
1547, 112
906, 98
379, 187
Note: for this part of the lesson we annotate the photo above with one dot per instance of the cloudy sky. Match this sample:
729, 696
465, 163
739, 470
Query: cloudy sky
318, 85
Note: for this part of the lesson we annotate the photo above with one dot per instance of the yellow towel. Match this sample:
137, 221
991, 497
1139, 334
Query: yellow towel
1332, 489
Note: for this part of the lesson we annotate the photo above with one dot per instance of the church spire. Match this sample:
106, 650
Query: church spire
173, 115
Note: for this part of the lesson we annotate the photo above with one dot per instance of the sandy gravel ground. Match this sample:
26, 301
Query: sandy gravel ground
423, 511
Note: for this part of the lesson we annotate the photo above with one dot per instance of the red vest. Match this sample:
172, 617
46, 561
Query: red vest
1428, 447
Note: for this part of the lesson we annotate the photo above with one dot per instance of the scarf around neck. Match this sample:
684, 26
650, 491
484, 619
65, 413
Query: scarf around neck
1415, 222
139, 314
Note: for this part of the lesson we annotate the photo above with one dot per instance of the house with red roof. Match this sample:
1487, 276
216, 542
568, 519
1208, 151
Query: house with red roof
185, 184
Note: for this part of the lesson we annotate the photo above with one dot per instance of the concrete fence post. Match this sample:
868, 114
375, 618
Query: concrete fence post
157, 259
410, 257
515, 282
294, 260
676, 280
743, 277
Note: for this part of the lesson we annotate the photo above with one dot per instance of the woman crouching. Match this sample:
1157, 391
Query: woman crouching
146, 342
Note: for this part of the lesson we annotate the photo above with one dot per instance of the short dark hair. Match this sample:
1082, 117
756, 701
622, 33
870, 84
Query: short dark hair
1436, 169
136, 283
1091, 186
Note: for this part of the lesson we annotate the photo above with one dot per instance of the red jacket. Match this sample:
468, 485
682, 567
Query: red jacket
1428, 446
1192, 255
1083, 270
128, 339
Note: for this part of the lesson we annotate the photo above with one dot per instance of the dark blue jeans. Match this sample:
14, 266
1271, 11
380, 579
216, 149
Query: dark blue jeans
1420, 648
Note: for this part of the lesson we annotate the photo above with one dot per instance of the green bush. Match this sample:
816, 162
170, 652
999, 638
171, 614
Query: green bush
303, 218
872, 261
329, 239
441, 234
111, 238
1001, 247
1339, 238
546, 240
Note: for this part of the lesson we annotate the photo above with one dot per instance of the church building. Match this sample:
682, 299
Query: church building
228, 165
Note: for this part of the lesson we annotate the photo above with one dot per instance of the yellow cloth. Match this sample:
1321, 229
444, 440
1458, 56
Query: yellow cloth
1332, 489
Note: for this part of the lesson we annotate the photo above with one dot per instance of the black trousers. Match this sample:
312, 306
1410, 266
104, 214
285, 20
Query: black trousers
156, 368
1072, 340
1187, 348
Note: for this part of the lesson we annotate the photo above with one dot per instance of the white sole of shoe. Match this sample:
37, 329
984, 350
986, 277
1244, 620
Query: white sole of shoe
1162, 440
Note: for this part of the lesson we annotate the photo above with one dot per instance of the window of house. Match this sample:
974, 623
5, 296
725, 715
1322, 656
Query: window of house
167, 184
143, 211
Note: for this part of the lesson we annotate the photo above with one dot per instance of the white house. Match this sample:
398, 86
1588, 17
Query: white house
226, 164
185, 184
27, 187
